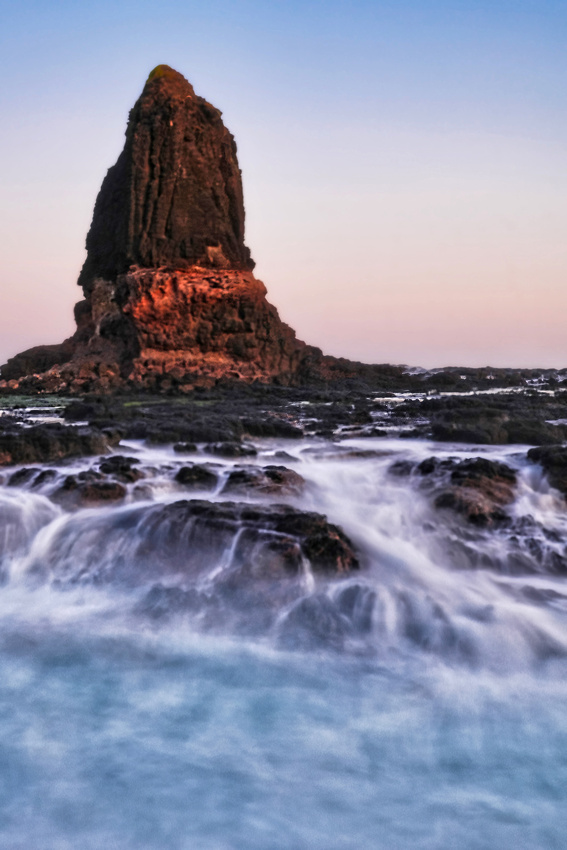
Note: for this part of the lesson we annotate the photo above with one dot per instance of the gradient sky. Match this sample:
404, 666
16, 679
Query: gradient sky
404, 162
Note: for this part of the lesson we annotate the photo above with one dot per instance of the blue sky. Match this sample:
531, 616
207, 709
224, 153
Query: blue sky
404, 163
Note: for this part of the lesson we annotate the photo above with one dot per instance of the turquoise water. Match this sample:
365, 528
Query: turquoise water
150, 742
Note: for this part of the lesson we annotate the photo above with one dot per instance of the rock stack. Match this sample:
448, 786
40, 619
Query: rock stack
170, 301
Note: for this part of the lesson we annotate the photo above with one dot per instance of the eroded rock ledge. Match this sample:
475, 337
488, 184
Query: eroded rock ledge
158, 329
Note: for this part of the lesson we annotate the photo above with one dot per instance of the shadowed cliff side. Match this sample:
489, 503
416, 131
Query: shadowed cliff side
174, 196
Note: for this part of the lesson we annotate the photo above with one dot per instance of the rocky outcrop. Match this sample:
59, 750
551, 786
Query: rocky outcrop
553, 459
170, 300
174, 197
163, 329
36, 360
477, 488
268, 481
190, 538
52, 442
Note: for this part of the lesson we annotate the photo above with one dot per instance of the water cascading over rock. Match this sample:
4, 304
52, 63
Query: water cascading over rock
170, 298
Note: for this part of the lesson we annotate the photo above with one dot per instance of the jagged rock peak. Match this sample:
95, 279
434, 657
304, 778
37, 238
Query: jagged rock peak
174, 197
167, 77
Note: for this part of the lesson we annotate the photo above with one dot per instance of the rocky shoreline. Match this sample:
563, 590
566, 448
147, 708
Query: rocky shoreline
227, 477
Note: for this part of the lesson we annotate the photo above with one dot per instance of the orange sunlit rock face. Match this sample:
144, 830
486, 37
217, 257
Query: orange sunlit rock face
161, 329
196, 326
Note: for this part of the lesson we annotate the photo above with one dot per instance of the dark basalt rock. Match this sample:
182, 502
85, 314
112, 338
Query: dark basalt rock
22, 477
185, 540
553, 459
185, 448
473, 505
174, 197
99, 492
196, 477
229, 450
480, 489
157, 428
52, 442
37, 359
521, 417
271, 427
78, 411
267, 481
477, 488
86, 489
45, 476
122, 468
490, 420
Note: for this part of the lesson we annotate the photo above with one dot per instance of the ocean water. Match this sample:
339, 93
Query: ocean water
441, 724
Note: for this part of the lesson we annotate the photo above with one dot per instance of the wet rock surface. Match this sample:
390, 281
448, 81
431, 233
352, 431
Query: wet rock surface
482, 493
123, 468
477, 488
87, 489
480, 490
53, 442
522, 417
236, 543
196, 477
214, 417
227, 414
232, 449
553, 459
267, 481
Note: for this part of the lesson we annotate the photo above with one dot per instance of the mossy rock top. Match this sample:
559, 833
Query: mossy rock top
163, 71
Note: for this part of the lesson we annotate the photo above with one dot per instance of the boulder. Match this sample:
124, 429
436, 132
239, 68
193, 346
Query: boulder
553, 459
87, 489
196, 477
52, 442
185, 541
266, 481
170, 301
477, 488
